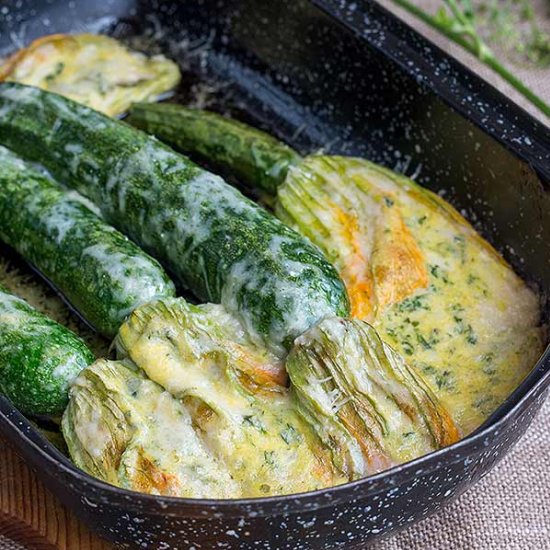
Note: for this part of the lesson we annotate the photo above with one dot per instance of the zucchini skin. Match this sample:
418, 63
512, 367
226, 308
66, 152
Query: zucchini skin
220, 245
39, 358
100, 272
257, 159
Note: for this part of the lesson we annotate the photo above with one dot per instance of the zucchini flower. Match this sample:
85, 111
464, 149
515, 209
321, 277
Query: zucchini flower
413, 267
127, 430
193, 408
365, 403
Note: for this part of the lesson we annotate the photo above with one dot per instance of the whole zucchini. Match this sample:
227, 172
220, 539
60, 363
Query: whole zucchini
103, 274
219, 244
255, 158
38, 358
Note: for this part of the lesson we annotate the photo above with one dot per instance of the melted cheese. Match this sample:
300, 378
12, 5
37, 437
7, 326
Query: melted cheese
193, 408
198, 354
95, 70
125, 429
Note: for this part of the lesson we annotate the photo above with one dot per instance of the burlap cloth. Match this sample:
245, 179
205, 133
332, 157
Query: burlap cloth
510, 508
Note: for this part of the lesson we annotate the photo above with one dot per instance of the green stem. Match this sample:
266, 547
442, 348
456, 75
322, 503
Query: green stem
479, 49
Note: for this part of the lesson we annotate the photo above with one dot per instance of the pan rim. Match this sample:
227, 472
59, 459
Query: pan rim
537, 382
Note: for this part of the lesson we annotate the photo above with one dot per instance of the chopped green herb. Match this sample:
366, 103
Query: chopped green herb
467, 330
408, 348
444, 380
255, 422
56, 72
269, 457
290, 435
437, 272
431, 341
428, 369
413, 303
486, 403
423, 342
487, 364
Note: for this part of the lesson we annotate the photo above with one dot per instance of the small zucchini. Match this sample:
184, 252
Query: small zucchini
39, 358
220, 245
99, 271
256, 159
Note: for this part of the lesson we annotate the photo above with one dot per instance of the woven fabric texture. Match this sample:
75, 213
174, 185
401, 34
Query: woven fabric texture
507, 510
8, 544
538, 79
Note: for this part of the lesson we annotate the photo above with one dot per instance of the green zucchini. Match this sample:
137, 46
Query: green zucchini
256, 158
39, 358
220, 245
100, 272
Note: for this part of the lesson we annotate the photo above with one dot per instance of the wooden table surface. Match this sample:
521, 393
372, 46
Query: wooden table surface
31, 516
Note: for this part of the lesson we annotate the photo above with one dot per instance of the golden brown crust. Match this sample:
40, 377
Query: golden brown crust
148, 478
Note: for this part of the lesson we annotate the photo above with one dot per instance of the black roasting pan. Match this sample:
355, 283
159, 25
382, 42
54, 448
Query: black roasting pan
346, 77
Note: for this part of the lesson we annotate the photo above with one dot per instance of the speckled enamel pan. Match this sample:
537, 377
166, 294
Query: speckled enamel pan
350, 78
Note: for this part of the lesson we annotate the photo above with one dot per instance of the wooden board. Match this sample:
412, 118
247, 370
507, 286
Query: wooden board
31, 516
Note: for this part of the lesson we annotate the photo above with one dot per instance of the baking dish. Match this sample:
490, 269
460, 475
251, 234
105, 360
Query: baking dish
352, 79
